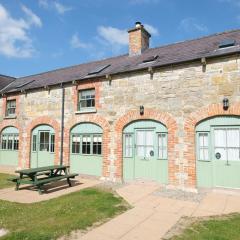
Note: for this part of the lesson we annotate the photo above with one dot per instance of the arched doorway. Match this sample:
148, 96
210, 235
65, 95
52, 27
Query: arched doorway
86, 149
218, 152
42, 146
145, 151
9, 147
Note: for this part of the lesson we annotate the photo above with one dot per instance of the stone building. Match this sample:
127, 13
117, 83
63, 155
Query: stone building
168, 114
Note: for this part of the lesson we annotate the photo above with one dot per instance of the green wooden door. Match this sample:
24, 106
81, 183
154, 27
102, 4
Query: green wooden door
43, 147
145, 151
218, 152
145, 157
226, 158
86, 149
9, 147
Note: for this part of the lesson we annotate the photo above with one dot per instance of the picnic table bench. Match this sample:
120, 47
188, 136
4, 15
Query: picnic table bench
48, 174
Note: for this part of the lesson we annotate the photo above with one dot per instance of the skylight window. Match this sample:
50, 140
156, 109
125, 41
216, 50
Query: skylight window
99, 69
150, 59
24, 84
227, 43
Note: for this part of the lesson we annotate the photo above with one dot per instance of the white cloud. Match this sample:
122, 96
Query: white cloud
43, 3
32, 17
14, 33
60, 8
191, 25
151, 29
75, 42
113, 35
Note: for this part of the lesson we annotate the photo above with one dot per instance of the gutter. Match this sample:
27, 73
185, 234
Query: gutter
62, 123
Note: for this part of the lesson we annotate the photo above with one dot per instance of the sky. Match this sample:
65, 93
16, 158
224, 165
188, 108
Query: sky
42, 35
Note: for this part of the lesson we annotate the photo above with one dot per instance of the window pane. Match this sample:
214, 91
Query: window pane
97, 144
233, 138
149, 138
4, 142
34, 144
11, 107
86, 144
44, 141
87, 98
128, 145
233, 154
10, 142
16, 142
140, 151
52, 149
220, 137
162, 145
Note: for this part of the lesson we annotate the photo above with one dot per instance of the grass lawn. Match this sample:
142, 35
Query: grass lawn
56, 217
219, 228
4, 183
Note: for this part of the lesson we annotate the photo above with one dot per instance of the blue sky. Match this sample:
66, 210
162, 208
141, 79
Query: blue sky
42, 35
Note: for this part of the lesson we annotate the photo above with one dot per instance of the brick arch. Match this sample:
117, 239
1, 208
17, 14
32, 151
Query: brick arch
90, 118
149, 114
212, 110
13, 123
44, 120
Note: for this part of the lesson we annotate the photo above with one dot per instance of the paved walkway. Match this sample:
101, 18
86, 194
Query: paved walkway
153, 216
57, 189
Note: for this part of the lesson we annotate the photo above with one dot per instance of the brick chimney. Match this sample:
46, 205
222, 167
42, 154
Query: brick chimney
138, 39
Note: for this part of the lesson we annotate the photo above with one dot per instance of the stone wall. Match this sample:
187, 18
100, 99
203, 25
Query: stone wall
172, 95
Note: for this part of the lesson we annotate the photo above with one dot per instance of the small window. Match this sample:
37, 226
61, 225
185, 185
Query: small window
86, 144
4, 142
203, 146
9, 142
44, 141
128, 150
34, 143
52, 140
16, 142
11, 107
97, 144
76, 143
86, 99
162, 146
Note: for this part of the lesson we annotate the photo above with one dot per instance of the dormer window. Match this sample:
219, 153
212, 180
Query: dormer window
11, 108
86, 100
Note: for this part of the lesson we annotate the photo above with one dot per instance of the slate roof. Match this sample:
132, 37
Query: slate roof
5, 80
167, 55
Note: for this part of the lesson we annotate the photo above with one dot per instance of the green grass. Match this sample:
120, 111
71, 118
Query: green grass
4, 183
219, 228
57, 217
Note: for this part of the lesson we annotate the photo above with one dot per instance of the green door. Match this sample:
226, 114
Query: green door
226, 159
9, 147
145, 156
86, 149
43, 147
145, 151
218, 152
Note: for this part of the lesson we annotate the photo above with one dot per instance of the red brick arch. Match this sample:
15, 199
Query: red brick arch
89, 118
212, 110
44, 120
13, 123
149, 114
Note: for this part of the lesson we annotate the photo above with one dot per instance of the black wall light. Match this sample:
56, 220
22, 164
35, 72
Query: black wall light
141, 110
225, 104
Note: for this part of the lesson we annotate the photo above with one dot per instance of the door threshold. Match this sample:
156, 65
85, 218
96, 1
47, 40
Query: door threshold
226, 190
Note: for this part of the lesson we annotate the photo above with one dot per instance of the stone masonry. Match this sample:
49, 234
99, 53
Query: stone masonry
178, 96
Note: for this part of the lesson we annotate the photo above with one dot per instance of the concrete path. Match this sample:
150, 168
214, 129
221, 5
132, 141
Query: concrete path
153, 216
25, 195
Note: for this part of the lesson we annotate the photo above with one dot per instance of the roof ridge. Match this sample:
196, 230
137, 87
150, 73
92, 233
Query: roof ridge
196, 39
3, 75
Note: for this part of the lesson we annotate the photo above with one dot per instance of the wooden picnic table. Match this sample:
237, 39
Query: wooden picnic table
43, 175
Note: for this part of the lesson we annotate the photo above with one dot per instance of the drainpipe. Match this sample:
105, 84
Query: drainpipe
62, 124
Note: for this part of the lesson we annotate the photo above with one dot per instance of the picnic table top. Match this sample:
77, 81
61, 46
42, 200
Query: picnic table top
41, 169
